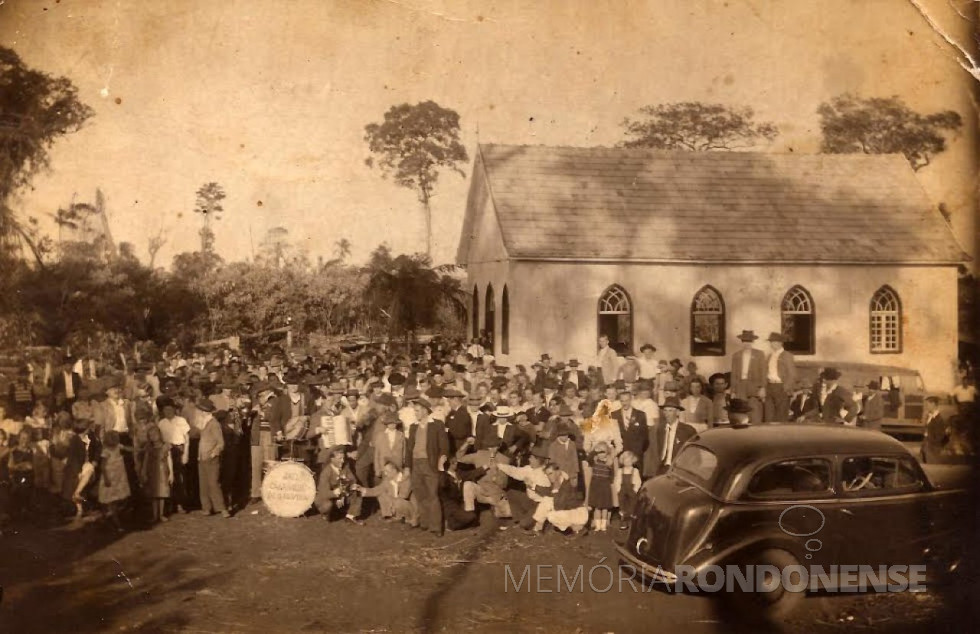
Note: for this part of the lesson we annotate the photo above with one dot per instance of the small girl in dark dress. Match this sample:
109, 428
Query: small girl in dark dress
600, 487
156, 472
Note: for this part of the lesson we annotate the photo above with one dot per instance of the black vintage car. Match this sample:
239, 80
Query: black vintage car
792, 494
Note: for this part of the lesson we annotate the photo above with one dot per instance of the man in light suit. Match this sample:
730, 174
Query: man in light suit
748, 380
669, 434
780, 378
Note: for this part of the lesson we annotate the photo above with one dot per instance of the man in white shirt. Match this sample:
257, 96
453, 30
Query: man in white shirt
175, 431
780, 378
964, 395
606, 360
647, 362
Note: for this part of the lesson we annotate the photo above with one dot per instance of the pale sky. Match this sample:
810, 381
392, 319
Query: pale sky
270, 98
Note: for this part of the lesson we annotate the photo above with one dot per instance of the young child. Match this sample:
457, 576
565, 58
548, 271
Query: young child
113, 485
156, 472
21, 467
600, 486
626, 485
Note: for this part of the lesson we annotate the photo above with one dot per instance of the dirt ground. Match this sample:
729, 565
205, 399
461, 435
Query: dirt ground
259, 573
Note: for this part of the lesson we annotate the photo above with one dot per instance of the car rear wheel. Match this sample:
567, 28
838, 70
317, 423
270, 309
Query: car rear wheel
772, 602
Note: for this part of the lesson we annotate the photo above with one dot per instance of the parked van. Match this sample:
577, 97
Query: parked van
903, 389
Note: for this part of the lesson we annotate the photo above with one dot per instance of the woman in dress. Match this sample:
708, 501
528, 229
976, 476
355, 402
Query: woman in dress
156, 472
113, 485
600, 488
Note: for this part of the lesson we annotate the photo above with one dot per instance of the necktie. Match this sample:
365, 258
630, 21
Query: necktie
668, 445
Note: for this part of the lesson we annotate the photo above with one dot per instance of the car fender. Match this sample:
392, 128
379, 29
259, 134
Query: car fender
755, 542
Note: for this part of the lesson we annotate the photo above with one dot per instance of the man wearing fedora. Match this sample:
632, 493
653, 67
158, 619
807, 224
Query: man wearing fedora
780, 378
669, 435
427, 450
574, 376
803, 403
459, 424
836, 402
209, 460
748, 380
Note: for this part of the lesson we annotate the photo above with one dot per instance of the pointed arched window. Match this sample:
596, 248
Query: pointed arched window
886, 321
798, 321
615, 318
475, 313
707, 323
489, 320
505, 322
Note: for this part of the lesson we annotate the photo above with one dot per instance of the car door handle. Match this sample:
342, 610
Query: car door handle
847, 512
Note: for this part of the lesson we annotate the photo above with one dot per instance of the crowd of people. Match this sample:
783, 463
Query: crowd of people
430, 439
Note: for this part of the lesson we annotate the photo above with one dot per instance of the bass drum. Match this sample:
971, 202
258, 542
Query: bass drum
288, 489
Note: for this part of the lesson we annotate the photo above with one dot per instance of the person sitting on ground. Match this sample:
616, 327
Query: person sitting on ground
568, 510
393, 494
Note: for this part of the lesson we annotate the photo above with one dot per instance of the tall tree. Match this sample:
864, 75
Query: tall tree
276, 248
413, 143
36, 109
879, 125
342, 249
409, 293
208, 205
696, 126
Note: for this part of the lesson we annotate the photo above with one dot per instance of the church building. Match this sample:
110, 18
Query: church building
844, 254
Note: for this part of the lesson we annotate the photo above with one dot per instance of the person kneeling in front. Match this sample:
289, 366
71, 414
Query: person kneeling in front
335, 491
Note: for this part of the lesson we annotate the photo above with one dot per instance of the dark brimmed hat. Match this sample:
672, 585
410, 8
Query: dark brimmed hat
830, 374
205, 405
396, 379
539, 451
674, 402
573, 363
747, 335
292, 378
452, 393
423, 403
776, 336
648, 346
739, 406
386, 399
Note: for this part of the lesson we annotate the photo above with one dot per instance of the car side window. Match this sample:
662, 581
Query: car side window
876, 476
798, 478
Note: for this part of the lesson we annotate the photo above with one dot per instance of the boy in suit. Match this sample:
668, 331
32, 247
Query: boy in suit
393, 495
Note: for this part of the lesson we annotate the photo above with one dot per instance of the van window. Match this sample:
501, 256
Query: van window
799, 478
876, 476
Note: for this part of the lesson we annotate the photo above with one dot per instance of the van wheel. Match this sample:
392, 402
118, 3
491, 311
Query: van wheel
773, 602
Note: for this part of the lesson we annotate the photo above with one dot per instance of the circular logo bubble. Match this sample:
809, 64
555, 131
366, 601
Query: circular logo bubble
802, 517
813, 539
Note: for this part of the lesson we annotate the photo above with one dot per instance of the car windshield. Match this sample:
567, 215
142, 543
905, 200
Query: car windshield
698, 464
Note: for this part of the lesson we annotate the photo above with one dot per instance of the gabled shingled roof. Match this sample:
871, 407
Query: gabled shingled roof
602, 204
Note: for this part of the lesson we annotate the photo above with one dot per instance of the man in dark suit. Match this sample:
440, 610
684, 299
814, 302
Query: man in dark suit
293, 403
873, 407
937, 432
427, 450
632, 424
573, 375
748, 380
458, 423
804, 404
65, 386
836, 402
670, 434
